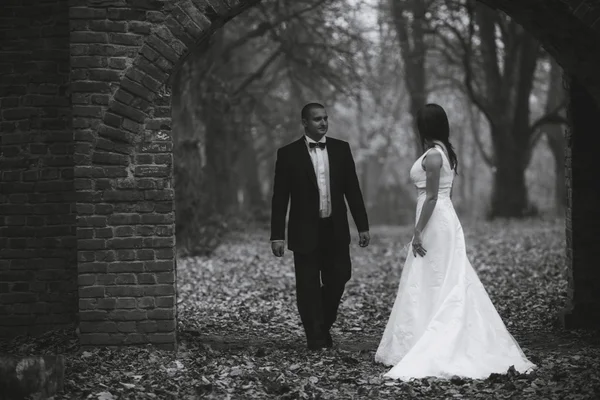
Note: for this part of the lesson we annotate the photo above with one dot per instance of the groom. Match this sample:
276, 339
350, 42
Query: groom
315, 173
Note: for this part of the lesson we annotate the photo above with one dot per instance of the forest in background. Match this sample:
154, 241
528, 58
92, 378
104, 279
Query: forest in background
373, 64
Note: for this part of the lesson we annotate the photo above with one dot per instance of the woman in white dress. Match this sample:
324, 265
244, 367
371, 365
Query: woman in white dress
443, 323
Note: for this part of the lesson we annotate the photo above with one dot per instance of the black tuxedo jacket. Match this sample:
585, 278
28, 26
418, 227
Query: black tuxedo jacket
295, 180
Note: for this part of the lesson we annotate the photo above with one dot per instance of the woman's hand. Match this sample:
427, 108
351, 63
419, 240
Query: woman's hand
417, 245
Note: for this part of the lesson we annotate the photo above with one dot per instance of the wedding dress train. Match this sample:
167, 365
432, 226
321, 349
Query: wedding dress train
443, 322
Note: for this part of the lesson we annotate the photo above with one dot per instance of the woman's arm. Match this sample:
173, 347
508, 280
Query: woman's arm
432, 165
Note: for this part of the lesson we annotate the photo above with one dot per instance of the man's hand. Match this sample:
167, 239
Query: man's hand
278, 247
363, 239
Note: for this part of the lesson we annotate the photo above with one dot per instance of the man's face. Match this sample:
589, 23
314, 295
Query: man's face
316, 124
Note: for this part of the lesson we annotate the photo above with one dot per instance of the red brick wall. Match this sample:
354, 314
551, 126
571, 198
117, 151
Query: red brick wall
38, 270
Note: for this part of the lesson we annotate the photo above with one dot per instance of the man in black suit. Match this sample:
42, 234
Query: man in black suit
316, 173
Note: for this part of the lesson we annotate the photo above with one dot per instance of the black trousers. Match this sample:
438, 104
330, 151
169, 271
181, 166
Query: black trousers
321, 276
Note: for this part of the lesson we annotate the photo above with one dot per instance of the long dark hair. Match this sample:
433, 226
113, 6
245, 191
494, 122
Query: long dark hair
432, 123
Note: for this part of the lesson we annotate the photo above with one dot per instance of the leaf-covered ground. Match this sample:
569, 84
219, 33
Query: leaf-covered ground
241, 338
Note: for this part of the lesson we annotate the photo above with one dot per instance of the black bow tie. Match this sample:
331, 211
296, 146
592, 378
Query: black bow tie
312, 145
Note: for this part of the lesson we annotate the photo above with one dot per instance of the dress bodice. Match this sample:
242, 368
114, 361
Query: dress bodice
419, 176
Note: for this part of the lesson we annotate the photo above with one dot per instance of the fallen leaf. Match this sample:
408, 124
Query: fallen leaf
105, 396
127, 385
223, 355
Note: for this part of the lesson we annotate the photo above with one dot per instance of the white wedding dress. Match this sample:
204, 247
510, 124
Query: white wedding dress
443, 322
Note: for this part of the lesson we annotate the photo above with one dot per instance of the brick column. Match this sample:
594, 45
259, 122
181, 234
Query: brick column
126, 257
583, 210
122, 55
38, 275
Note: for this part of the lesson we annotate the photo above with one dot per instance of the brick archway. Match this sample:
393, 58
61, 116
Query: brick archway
131, 149
121, 55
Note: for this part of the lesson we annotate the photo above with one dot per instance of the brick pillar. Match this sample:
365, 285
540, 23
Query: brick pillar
583, 210
123, 176
38, 275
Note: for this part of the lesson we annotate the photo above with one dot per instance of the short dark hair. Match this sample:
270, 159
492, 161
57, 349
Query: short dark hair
305, 113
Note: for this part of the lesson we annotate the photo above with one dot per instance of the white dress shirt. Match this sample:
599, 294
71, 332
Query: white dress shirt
320, 160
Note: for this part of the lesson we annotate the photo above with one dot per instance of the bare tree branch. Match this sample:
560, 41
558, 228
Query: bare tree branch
441, 85
316, 66
258, 73
401, 29
486, 21
474, 122
446, 48
539, 133
552, 117
467, 45
266, 27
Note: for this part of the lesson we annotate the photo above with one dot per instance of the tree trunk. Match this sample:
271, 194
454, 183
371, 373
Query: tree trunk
220, 178
509, 194
364, 145
471, 177
256, 201
249, 169
373, 170
555, 136
460, 186
556, 142
504, 100
219, 116
411, 37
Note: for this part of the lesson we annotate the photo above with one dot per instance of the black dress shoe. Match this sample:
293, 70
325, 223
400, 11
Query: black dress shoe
317, 344
328, 340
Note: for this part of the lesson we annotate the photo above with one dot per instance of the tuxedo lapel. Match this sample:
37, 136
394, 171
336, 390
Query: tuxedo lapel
306, 162
334, 162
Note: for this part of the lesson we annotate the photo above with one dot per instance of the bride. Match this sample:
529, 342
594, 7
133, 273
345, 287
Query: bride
442, 323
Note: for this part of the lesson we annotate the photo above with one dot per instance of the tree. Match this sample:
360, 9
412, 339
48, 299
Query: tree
554, 133
410, 21
378, 107
499, 59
